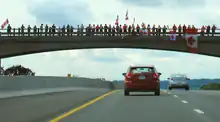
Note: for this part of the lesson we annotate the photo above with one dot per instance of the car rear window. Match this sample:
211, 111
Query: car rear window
136, 70
179, 78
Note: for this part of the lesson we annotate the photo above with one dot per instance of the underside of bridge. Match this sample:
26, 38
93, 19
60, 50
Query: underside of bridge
15, 46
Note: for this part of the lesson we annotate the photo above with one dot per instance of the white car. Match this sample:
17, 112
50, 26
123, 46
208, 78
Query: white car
178, 81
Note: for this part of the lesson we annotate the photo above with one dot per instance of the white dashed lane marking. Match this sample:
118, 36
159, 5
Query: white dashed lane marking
198, 111
184, 101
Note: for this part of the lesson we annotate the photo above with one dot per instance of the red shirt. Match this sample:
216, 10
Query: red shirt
124, 27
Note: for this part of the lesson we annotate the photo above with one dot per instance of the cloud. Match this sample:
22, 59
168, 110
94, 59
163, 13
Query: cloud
60, 13
144, 3
191, 3
166, 3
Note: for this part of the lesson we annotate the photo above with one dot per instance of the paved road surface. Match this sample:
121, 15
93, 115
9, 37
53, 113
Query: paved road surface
42, 108
172, 106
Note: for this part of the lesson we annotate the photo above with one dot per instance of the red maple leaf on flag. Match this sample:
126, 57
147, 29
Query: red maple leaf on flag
172, 36
191, 40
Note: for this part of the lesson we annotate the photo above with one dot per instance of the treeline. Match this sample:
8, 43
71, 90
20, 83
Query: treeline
16, 70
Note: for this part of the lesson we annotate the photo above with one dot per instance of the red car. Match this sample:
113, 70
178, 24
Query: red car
141, 79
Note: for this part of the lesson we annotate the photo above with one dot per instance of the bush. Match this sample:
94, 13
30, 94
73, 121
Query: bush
211, 86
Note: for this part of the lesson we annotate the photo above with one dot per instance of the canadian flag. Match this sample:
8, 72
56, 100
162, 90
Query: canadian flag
126, 15
192, 40
172, 36
4, 24
116, 21
144, 32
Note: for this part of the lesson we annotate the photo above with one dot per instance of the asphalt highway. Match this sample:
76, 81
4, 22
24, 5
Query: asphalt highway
171, 106
42, 108
87, 106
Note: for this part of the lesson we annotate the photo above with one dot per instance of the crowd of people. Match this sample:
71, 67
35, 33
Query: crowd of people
108, 30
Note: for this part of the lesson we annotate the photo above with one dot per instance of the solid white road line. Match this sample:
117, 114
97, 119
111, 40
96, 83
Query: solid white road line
175, 95
198, 111
184, 101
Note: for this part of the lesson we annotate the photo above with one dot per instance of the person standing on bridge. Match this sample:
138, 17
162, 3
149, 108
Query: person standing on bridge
148, 29
97, 29
138, 29
68, 30
120, 30
159, 30
142, 31
105, 29
117, 29
50, 31
156, 31
92, 29
113, 30
213, 30
59, 31
22, 29
71, 30
208, 30
133, 30
9, 30
174, 28
109, 30
164, 30
46, 29
35, 30
53, 29
129, 30
153, 30
184, 30
125, 29
202, 30
180, 29
189, 27
82, 29
78, 30
41, 29
29, 30
101, 29
193, 28
63, 30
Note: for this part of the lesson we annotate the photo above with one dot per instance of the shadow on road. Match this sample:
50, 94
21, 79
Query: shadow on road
144, 94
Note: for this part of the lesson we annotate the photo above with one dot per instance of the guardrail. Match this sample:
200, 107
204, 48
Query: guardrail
14, 83
83, 32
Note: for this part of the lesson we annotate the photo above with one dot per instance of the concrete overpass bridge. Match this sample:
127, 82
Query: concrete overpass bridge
55, 99
15, 43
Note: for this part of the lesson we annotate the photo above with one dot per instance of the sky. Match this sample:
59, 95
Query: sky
111, 63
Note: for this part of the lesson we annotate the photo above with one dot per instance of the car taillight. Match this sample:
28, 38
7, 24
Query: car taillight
155, 76
171, 78
128, 76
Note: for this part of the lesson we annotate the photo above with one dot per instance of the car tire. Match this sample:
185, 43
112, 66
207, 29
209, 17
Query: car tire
170, 88
157, 93
187, 88
126, 92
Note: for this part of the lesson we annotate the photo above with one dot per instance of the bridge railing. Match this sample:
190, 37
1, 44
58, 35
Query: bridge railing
84, 32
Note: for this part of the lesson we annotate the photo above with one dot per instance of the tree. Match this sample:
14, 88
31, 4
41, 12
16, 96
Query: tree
1, 70
18, 70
